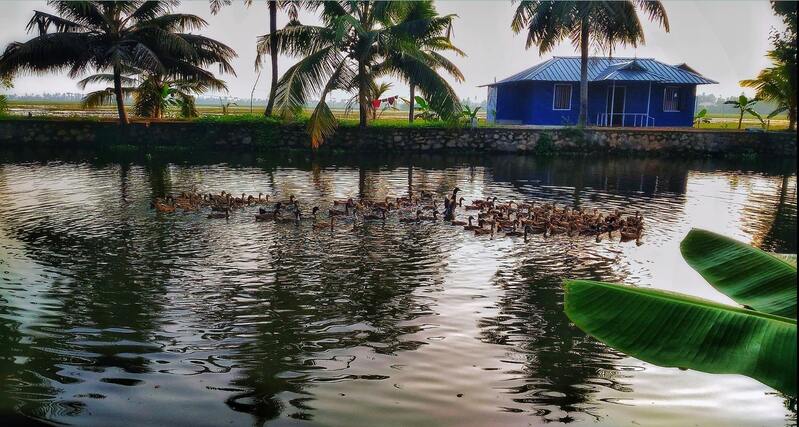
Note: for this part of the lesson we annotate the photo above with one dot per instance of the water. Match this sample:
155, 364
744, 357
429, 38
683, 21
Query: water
111, 314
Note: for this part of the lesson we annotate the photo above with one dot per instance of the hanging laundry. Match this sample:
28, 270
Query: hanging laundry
376, 104
392, 100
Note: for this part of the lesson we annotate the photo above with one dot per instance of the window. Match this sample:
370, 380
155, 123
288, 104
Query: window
562, 99
671, 99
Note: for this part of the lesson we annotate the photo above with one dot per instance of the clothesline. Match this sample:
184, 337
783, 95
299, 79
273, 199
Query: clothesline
390, 100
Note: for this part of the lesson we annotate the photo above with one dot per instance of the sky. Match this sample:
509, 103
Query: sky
724, 40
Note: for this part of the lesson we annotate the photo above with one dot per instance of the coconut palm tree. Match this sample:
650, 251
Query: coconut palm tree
436, 38
5, 82
777, 84
357, 43
115, 36
152, 94
605, 23
292, 8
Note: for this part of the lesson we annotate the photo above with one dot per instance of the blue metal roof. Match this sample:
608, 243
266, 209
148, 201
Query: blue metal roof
567, 69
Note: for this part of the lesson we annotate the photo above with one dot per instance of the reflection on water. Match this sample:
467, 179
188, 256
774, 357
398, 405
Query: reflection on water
110, 312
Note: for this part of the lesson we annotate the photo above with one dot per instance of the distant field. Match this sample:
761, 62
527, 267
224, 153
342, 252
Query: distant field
74, 109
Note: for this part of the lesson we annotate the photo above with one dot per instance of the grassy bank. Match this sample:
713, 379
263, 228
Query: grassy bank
54, 110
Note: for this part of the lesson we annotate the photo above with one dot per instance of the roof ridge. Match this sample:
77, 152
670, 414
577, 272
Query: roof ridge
606, 57
546, 64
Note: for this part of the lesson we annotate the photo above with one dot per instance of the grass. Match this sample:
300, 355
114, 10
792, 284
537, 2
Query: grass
71, 110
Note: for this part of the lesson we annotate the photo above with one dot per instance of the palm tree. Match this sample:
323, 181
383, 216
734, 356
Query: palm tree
5, 82
357, 43
745, 105
292, 9
606, 23
153, 94
376, 91
116, 36
777, 84
436, 38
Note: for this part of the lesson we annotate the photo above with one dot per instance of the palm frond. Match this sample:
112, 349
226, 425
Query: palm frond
104, 78
294, 40
177, 22
656, 12
150, 10
44, 53
103, 97
43, 21
84, 13
216, 5
304, 79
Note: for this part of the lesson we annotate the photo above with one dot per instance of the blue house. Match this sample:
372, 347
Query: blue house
621, 92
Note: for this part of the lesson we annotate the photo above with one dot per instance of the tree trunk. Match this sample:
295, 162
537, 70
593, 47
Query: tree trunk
363, 107
270, 103
740, 119
792, 118
582, 119
123, 117
412, 103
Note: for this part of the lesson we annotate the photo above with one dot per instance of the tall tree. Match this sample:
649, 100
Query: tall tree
435, 39
605, 23
777, 84
292, 9
153, 94
357, 43
116, 36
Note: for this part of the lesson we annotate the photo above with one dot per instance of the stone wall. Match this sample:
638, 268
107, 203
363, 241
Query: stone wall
265, 136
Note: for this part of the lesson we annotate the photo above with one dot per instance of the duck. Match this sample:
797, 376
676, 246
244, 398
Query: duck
288, 202
421, 217
264, 215
517, 233
470, 227
324, 224
409, 219
630, 233
456, 222
163, 207
295, 218
219, 215
480, 231
373, 217
346, 211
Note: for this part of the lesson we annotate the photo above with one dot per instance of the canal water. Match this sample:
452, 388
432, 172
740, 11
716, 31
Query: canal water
113, 314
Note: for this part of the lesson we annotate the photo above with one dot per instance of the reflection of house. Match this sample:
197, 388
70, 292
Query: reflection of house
621, 92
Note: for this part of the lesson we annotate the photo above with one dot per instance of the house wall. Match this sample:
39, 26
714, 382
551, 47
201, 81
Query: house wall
513, 103
531, 103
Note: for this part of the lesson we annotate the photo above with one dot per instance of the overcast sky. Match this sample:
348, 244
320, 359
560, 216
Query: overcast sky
724, 40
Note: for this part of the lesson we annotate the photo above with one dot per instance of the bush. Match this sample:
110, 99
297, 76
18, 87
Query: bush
545, 146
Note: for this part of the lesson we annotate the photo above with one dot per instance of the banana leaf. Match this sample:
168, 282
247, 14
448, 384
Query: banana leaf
749, 276
674, 330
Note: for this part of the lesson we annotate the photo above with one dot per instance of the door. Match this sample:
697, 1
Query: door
615, 105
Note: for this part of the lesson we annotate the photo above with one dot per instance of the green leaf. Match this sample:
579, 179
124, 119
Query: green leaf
749, 276
789, 258
673, 330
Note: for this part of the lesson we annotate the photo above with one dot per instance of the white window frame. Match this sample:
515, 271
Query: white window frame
676, 88
555, 92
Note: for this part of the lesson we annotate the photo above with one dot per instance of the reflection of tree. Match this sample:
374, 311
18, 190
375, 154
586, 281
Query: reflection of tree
773, 226
108, 286
563, 368
324, 295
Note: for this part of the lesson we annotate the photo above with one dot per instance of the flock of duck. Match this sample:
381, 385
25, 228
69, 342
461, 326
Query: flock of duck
483, 217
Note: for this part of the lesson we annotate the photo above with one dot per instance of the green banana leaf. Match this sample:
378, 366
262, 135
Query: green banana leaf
674, 330
749, 276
